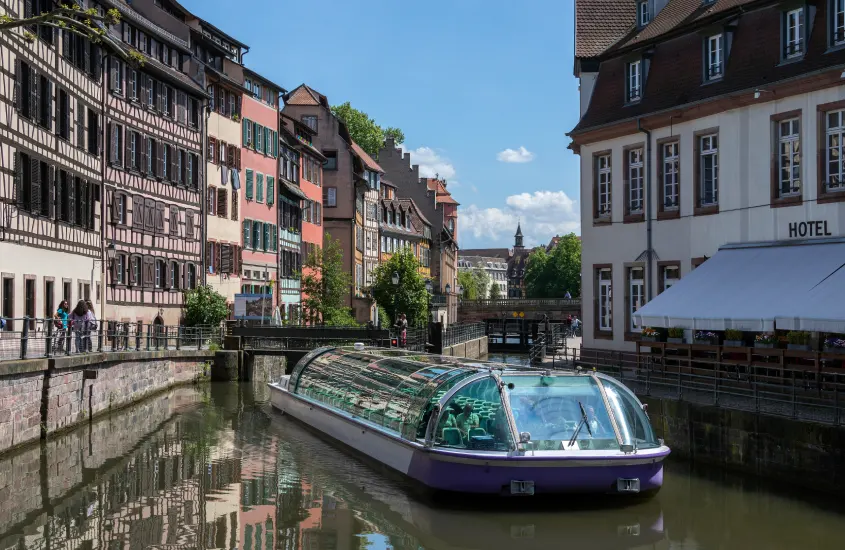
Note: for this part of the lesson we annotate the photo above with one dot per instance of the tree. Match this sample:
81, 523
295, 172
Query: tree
553, 275
469, 284
364, 130
326, 284
87, 23
410, 297
495, 292
204, 306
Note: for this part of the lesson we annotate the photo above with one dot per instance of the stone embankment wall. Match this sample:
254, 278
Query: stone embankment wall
474, 349
806, 453
40, 396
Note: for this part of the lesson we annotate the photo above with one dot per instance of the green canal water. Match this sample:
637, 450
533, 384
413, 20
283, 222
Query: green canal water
216, 467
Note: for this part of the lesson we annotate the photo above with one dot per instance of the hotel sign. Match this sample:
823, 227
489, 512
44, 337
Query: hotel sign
813, 228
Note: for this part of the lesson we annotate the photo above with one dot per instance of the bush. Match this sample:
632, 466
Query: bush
797, 337
733, 334
676, 332
204, 306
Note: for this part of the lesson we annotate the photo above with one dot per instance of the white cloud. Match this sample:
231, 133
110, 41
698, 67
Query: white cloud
432, 163
520, 155
543, 215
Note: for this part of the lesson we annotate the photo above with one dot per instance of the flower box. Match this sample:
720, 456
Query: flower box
649, 339
703, 342
734, 344
763, 346
837, 351
675, 340
798, 347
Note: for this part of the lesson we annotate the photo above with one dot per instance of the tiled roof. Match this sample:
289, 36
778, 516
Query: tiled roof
367, 159
675, 72
442, 195
599, 24
303, 95
502, 253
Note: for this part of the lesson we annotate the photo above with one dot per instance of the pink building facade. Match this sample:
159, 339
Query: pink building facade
259, 193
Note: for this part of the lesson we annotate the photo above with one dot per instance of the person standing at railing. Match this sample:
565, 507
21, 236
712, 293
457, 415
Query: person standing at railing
90, 326
80, 318
403, 330
60, 323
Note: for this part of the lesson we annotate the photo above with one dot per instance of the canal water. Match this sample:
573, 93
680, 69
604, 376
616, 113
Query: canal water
216, 467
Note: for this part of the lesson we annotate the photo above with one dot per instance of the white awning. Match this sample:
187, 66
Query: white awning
757, 287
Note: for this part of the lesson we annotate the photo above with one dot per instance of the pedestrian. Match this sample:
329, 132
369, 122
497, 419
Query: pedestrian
60, 323
403, 329
79, 319
90, 325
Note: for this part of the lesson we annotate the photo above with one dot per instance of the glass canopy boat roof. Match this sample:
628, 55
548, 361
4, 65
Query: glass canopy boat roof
456, 403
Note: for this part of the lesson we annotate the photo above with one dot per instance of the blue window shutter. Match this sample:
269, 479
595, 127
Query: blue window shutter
249, 176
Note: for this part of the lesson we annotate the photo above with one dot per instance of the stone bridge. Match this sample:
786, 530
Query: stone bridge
558, 309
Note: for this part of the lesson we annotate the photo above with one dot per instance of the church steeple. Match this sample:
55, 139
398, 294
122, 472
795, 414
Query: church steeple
518, 237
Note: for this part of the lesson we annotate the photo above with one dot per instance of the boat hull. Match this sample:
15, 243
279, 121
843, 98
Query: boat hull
477, 473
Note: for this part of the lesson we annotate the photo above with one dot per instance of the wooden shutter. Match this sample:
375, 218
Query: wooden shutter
72, 198
141, 143
48, 116
149, 215
225, 258
246, 124
52, 194
171, 158
96, 61
35, 185
230, 155
259, 187
83, 199
235, 204
162, 168
148, 274
19, 168
221, 203
65, 131
189, 225
237, 158
18, 81
195, 170
174, 221
80, 125
115, 207
127, 148
236, 259
271, 190
249, 184
138, 212
33, 94
159, 217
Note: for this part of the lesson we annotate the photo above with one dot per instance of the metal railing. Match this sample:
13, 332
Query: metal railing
520, 303
27, 338
796, 393
460, 333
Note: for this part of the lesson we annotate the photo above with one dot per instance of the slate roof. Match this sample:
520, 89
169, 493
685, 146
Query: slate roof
502, 253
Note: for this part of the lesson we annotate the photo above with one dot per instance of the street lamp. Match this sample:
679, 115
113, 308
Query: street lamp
448, 288
111, 253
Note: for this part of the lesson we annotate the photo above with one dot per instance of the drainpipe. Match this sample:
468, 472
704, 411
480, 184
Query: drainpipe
648, 269
103, 144
203, 120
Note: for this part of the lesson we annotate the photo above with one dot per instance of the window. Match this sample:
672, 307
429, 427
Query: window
789, 157
837, 22
669, 275
634, 85
132, 161
133, 84
635, 180
49, 298
120, 208
29, 301
26, 88
160, 272
116, 149
835, 180
120, 269
151, 93
330, 197
310, 121
644, 14
671, 175
63, 115
45, 102
714, 57
793, 33
174, 275
605, 299
331, 160
709, 170
222, 203
257, 234
636, 296
603, 186
192, 276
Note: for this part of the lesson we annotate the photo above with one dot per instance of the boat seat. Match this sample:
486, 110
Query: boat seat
477, 431
452, 437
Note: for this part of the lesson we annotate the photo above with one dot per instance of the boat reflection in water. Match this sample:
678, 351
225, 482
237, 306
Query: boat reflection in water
353, 500
474, 427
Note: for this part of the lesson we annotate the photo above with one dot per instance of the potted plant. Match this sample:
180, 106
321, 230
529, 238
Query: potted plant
705, 337
764, 340
834, 344
236, 117
798, 340
676, 335
733, 338
651, 334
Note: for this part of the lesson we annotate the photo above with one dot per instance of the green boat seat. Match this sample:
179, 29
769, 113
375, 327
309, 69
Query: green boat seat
452, 437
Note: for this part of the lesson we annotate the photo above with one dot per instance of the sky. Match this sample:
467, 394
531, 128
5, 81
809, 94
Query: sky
483, 90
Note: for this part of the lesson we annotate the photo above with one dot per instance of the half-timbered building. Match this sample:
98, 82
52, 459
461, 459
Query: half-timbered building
154, 171
49, 168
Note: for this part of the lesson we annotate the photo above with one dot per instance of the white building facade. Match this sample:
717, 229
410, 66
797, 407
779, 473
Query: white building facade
726, 128
496, 268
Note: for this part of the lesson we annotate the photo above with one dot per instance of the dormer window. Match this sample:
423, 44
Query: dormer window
714, 56
643, 13
837, 22
634, 81
793, 34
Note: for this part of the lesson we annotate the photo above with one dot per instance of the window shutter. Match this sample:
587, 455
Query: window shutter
149, 215
265, 244
275, 238
148, 274
319, 214
138, 212
195, 171
115, 209
18, 81
18, 168
230, 155
267, 146
171, 157
142, 143
35, 185
325, 195
249, 184
246, 130
33, 94
234, 204
209, 259
256, 129
48, 116
247, 226
159, 214
52, 195
127, 147
112, 74
221, 203
237, 158
87, 211
173, 223
189, 225
71, 201
271, 190
96, 61
80, 124
259, 187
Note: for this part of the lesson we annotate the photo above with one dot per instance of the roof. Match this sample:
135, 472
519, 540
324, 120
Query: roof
599, 24
416, 210
499, 263
228, 37
368, 160
518, 230
503, 253
674, 75
442, 195
303, 95
300, 144
248, 71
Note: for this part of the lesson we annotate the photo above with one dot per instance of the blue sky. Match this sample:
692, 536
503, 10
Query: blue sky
466, 80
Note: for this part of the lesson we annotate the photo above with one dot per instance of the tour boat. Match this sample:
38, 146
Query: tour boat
466, 426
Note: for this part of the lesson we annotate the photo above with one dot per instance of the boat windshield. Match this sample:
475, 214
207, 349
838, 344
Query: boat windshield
634, 426
561, 412
474, 419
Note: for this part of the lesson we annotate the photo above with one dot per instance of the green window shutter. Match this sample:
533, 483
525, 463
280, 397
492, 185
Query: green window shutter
275, 239
256, 235
259, 187
275, 144
246, 131
256, 129
249, 176
268, 141
271, 190
247, 227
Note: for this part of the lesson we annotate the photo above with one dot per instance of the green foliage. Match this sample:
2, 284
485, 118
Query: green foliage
552, 275
384, 317
326, 284
364, 130
410, 297
676, 332
797, 337
204, 306
733, 334
475, 281
495, 292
